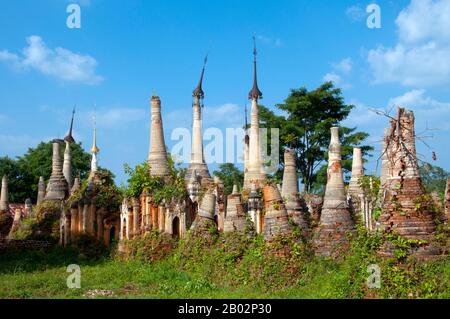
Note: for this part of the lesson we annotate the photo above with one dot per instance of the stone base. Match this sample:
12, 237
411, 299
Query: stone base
423, 253
330, 237
202, 171
234, 223
405, 210
259, 179
276, 223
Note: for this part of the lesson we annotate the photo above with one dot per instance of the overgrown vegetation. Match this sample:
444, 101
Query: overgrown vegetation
140, 181
233, 265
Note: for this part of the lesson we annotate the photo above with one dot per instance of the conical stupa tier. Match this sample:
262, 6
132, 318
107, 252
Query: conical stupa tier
335, 219
41, 190
276, 219
235, 219
357, 171
205, 216
57, 188
157, 158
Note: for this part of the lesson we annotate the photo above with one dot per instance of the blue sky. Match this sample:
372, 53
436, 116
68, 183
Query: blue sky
127, 50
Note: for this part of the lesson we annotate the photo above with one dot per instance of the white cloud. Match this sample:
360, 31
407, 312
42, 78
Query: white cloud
417, 100
427, 109
425, 20
228, 114
340, 70
355, 13
59, 63
276, 42
344, 66
332, 77
84, 3
16, 144
421, 56
4, 118
114, 117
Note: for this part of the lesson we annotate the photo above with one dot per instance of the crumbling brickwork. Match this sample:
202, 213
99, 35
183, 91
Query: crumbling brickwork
407, 209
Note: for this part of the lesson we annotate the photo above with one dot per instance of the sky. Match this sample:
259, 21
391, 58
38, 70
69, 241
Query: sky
126, 51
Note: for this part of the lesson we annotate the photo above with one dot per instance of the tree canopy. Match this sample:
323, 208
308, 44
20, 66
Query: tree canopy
434, 178
305, 128
229, 175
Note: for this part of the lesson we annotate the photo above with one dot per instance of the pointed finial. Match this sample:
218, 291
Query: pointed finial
254, 48
95, 149
198, 92
69, 138
254, 93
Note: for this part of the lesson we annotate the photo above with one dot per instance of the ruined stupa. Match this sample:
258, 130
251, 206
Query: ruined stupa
276, 219
335, 219
295, 205
235, 219
57, 188
205, 215
406, 208
157, 157
355, 191
6, 220
4, 196
41, 190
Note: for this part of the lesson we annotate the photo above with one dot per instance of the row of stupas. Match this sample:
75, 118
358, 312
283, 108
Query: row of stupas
78, 213
270, 210
273, 209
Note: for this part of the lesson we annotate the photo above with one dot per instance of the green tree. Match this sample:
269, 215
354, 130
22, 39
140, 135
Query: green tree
434, 178
24, 172
305, 128
16, 179
229, 175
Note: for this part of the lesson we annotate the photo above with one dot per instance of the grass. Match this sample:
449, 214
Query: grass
220, 266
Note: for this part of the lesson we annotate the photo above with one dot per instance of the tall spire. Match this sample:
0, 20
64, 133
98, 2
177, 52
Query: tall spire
254, 93
198, 92
254, 169
69, 138
197, 163
94, 150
